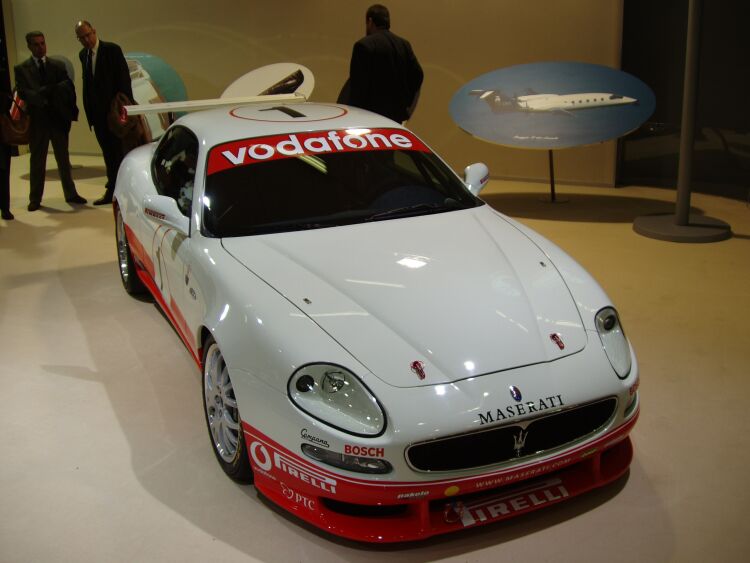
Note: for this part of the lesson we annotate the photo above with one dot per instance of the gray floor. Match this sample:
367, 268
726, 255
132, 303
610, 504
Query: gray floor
104, 455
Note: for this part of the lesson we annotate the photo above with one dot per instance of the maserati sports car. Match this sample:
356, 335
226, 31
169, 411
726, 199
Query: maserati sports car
383, 354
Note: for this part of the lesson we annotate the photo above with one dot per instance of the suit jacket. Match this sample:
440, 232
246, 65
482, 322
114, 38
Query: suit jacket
111, 75
384, 75
50, 101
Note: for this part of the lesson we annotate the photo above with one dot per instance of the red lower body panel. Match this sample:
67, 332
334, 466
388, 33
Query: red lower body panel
386, 511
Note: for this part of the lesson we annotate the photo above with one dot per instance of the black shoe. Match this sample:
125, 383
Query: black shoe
34, 205
76, 199
7, 215
104, 200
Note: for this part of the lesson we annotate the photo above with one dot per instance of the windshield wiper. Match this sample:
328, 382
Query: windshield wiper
408, 210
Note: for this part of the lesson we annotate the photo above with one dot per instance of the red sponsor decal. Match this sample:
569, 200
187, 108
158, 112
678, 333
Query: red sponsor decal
411, 495
154, 214
263, 459
363, 451
291, 145
514, 502
524, 474
297, 498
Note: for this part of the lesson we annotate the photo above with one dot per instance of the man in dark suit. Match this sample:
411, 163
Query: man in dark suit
105, 73
51, 102
384, 74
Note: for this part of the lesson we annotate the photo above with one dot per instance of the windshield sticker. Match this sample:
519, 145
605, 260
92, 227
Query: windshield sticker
262, 149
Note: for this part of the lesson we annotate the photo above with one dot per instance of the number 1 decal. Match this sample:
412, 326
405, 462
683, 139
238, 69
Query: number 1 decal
287, 110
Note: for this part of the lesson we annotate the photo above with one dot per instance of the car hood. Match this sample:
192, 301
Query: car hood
462, 293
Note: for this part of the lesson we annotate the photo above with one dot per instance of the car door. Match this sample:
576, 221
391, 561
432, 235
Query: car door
173, 169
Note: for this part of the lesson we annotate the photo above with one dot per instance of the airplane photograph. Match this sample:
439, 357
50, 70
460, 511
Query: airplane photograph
552, 105
550, 102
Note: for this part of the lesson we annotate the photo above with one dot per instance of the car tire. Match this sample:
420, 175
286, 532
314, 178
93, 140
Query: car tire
130, 280
223, 416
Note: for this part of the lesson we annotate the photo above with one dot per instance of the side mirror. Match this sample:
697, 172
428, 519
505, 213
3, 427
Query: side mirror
476, 177
163, 210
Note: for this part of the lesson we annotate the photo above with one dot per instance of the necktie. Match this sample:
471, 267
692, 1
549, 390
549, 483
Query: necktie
90, 64
42, 72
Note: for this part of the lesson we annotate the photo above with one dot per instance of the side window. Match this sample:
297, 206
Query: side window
173, 166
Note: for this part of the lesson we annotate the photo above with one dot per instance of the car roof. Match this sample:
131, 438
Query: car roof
219, 125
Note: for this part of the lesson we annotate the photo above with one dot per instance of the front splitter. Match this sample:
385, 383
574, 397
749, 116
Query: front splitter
399, 512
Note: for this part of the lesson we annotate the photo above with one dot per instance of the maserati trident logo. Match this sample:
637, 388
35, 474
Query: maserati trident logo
418, 368
515, 392
519, 441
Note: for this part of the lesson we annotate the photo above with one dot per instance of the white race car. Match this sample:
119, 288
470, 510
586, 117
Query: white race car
388, 357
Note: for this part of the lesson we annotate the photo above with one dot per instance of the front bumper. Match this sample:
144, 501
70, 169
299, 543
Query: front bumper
386, 511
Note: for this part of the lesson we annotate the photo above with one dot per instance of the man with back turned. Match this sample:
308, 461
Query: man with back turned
384, 74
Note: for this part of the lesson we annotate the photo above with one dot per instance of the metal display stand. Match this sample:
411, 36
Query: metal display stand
552, 195
682, 226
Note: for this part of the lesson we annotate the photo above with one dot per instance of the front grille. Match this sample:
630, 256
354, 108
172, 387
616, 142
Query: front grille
500, 445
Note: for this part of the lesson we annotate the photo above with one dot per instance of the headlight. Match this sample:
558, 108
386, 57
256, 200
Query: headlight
334, 395
613, 340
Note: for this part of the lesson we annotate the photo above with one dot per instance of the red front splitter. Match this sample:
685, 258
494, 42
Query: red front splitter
372, 512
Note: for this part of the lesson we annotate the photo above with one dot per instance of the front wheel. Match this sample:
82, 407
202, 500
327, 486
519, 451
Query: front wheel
130, 280
223, 416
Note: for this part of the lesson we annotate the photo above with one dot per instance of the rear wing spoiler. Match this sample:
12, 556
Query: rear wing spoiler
200, 105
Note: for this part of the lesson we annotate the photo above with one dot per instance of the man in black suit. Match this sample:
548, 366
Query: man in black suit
384, 74
51, 102
105, 73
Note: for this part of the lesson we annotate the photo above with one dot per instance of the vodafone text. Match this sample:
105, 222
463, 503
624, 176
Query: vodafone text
261, 149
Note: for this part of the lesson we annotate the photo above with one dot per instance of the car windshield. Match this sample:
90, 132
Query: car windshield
324, 179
